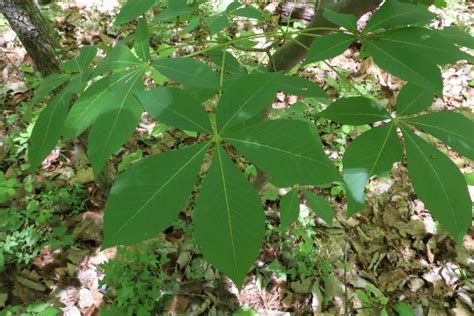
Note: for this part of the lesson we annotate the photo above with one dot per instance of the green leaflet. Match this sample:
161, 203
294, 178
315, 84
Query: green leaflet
469, 178
103, 96
347, 21
200, 95
229, 219
301, 87
420, 43
231, 64
149, 195
133, 9
142, 37
229, 78
191, 25
329, 46
79, 81
292, 144
413, 99
80, 62
175, 9
415, 69
232, 7
248, 12
218, 23
396, 14
355, 111
457, 36
372, 153
112, 129
175, 107
426, 4
439, 184
49, 84
119, 58
188, 71
413, 54
454, 129
404, 309
47, 129
320, 206
246, 97
289, 208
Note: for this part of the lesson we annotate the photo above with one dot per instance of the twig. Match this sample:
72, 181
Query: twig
346, 295
251, 49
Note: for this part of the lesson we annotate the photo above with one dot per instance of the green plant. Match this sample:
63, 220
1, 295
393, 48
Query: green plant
20, 143
25, 231
34, 309
228, 218
7, 187
373, 301
305, 257
70, 199
136, 280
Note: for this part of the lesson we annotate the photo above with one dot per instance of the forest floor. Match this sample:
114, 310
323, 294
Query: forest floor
391, 252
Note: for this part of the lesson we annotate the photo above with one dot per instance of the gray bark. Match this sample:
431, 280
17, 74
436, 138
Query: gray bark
33, 31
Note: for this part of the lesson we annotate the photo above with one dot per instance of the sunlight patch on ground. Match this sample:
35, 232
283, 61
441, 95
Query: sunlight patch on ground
101, 5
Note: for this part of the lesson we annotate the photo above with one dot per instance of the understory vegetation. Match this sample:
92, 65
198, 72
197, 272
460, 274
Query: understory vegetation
239, 157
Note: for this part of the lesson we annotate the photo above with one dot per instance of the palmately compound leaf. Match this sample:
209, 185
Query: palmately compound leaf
320, 206
246, 97
439, 184
290, 152
329, 46
229, 219
132, 10
413, 99
119, 58
112, 129
289, 208
454, 129
347, 21
142, 37
421, 43
176, 108
372, 153
47, 129
49, 84
416, 69
355, 111
188, 71
394, 14
103, 96
80, 62
148, 196
301, 87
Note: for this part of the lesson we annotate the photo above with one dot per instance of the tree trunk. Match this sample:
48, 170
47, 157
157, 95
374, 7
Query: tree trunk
33, 31
290, 54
